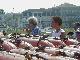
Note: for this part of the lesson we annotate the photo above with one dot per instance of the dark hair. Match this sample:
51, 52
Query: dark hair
76, 25
58, 20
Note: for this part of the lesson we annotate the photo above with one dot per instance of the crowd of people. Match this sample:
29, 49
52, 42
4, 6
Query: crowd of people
56, 24
57, 30
31, 46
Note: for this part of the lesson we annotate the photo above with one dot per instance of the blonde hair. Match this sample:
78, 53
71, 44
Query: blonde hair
32, 20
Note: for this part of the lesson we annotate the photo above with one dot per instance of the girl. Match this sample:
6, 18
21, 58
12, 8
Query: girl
56, 24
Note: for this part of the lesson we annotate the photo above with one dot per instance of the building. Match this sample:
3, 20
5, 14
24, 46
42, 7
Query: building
68, 12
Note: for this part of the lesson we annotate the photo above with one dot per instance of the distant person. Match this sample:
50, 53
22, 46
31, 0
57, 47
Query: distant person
33, 26
4, 32
77, 31
76, 25
57, 31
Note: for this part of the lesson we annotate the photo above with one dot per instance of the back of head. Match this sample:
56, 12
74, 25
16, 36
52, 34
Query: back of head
32, 20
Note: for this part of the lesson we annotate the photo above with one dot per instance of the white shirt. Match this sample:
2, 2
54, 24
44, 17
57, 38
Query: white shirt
57, 34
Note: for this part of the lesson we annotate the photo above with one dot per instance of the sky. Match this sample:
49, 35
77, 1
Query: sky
22, 5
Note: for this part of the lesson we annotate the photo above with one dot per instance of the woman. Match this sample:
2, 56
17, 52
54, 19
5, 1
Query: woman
33, 26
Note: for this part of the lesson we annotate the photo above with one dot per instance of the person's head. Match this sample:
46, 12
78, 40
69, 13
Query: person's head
56, 22
32, 21
76, 25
